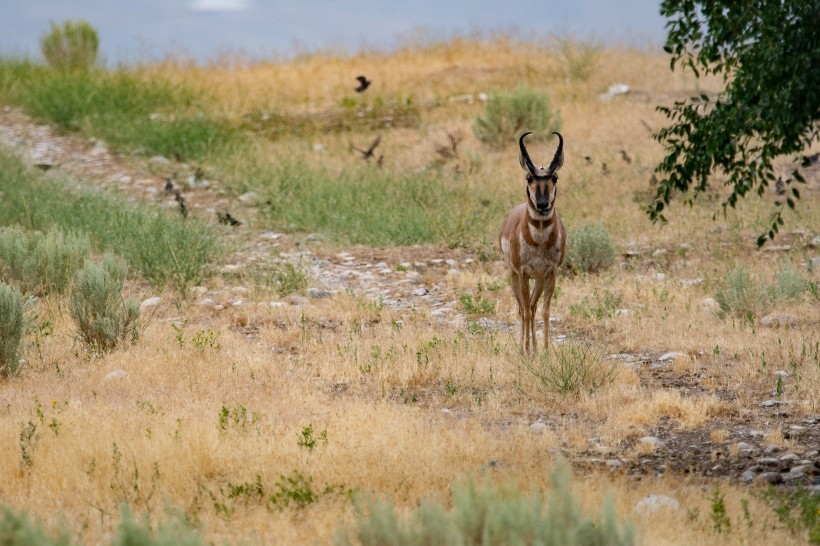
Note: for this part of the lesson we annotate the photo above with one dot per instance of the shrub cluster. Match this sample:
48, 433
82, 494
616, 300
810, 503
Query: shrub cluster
590, 249
11, 329
508, 114
743, 296
103, 317
70, 46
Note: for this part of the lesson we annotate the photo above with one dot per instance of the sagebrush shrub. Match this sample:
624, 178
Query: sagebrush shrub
11, 329
104, 319
568, 369
42, 263
508, 114
489, 514
70, 46
589, 249
789, 283
742, 296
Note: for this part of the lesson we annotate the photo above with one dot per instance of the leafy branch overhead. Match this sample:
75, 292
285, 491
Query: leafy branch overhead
768, 54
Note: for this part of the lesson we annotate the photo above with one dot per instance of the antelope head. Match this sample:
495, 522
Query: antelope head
541, 182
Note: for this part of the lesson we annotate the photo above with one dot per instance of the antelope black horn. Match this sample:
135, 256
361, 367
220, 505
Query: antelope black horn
558, 160
526, 162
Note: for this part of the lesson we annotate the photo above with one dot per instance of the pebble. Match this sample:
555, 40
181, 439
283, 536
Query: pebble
743, 446
116, 374
653, 441
671, 356
538, 426
778, 320
613, 464
769, 477
747, 476
150, 302
788, 457
772, 449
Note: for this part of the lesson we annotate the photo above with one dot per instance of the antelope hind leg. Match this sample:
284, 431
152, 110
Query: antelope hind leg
537, 290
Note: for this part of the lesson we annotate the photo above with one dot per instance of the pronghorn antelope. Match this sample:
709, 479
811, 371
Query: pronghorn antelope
533, 241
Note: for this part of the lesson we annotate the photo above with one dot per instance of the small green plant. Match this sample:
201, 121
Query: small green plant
741, 296
720, 521
580, 58
568, 369
489, 514
28, 437
236, 417
798, 509
602, 305
295, 490
103, 318
508, 114
307, 439
590, 249
289, 278
175, 529
11, 329
70, 46
206, 339
477, 305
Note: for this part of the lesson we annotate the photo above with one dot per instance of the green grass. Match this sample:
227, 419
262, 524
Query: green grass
167, 250
130, 114
367, 205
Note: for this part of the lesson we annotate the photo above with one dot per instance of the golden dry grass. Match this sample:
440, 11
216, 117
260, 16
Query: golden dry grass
411, 404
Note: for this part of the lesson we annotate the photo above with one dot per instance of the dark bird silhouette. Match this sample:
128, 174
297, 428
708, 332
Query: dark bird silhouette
653, 181
380, 161
364, 83
367, 154
647, 126
449, 151
588, 159
44, 166
169, 186
227, 219
779, 186
183, 209
604, 168
813, 159
625, 157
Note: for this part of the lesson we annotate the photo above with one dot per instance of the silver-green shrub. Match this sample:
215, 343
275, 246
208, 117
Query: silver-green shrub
589, 249
11, 329
41, 263
742, 296
508, 114
104, 319
70, 46
488, 514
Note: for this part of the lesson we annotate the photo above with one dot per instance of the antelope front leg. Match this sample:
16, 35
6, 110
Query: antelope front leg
522, 284
537, 290
549, 289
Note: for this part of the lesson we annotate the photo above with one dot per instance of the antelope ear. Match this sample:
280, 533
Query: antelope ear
558, 160
524, 157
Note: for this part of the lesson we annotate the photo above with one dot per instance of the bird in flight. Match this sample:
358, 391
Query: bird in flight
367, 154
364, 83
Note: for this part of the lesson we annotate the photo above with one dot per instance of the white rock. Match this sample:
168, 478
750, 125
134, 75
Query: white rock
421, 291
613, 464
269, 235
671, 356
538, 426
198, 291
274, 304
116, 374
652, 441
483, 97
249, 197
150, 302
652, 503
778, 320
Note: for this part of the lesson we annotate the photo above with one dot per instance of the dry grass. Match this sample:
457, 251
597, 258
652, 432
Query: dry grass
379, 381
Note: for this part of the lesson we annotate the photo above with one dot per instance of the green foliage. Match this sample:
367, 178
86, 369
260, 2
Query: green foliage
602, 305
477, 305
104, 319
70, 46
150, 116
579, 58
41, 263
368, 206
741, 296
167, 250
766, 52
289, 278
296, 491
11, 329
568, 368
19, 530
308, 441
799, 509
487, 514
507, 114
789, 283
720, 521
590, 249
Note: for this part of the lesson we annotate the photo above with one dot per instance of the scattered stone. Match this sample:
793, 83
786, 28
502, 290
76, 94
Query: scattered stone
150, 302
624, 312
235, 302
778, 320
613, 464
793, 475
198, 291
421, 291
652, 503
538, 426
158, 161
652, 441
815, 242
813, 263
614, 90
772, 449
249, 198
270, 235
315, 293
772, 478
116, 374
789, 457
671, 356
777, 248
709, 304
772, 403
747, 477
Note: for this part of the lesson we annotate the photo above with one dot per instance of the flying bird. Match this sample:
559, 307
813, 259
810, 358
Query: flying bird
625, 157
367, 154
364, 83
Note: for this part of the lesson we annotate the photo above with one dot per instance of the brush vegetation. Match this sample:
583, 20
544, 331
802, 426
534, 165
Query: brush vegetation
260, 421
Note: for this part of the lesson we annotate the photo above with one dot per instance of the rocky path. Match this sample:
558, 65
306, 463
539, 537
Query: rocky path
415, 278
